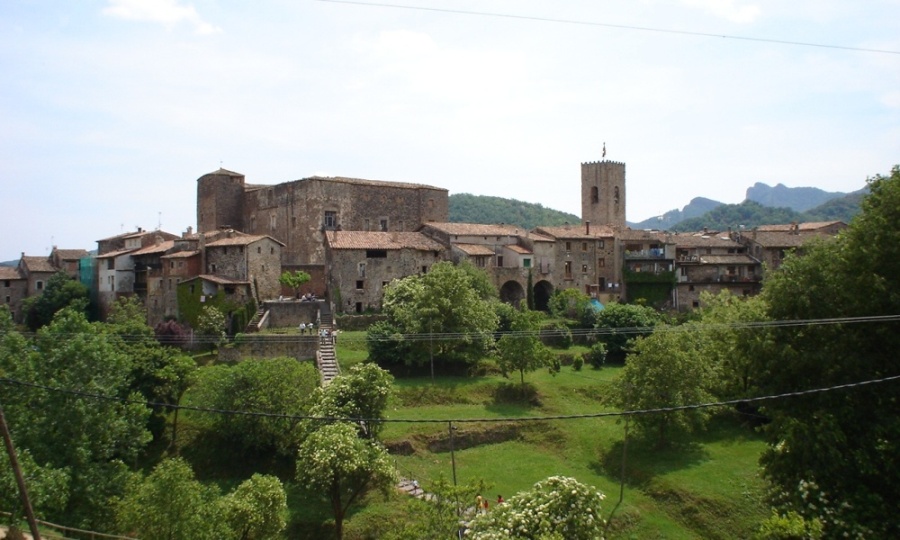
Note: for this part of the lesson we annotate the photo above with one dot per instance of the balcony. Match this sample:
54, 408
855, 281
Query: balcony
654, 253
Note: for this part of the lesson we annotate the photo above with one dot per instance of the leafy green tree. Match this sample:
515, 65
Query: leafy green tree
171, 504
334, 462
48, 488
596, 357
845, 443
529, 291
211, 326
256, 509
60, 291
568, 303
449, 299
521, 350
790, 526
666, 369
619, 324
161, 374
294, 280
557, 507
361, 394
89, 439
280, 386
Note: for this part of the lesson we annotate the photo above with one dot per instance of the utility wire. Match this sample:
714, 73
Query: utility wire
610, 25
628, 413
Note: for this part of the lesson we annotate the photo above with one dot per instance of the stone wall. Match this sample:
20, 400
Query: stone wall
270, 346
290, 313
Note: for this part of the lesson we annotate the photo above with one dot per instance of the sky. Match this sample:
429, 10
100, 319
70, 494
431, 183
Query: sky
111, 109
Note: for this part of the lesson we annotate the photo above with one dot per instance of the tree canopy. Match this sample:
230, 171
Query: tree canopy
838, 448
60, 291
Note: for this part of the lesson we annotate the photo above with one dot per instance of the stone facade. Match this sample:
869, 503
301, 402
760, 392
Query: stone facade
603, 193
360, 264
251, 258
582, 257
298, 213
712, 263
13, 291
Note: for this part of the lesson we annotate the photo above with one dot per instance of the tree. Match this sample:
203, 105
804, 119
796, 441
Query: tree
89, 439
60, 291
619, 324
279, 386
568, 303
171, 504
449, 299
294, 280
361, 394
170, 332
335, 462
211, 326
521, 350
666, 369
840, 447
557, 507
256, 509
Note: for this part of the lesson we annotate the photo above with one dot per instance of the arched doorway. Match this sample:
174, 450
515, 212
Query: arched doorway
542, 292
512, 292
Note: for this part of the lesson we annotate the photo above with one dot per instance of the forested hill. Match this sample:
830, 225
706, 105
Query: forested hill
751, 214
468, 208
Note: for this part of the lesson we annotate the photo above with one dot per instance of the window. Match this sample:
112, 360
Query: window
499, 261
568, 271
526, 263
330, 220
273, 222
602, 283
584, 246
259, 249
360, 284
584, 269
366, 224
595, 195
430, 203
361, 269
376, 254
110, 264
601, 262
8, 300
6, 283
600, 244
171, 264
383, 224
695, 304
424, 269
359, 307
294, 221
616, 195
39, 285
568, 246
212, 270
399, 225
690, 288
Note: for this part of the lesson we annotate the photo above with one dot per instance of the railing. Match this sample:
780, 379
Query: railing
655, 253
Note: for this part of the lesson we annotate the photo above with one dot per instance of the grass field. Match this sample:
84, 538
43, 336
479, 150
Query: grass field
706, 487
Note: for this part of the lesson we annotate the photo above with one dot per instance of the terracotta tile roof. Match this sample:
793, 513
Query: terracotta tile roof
162, 247
221, 280
474, 250
71, 254
38, 264
784, 239
181, 254
240, 239
650, 236
577, 231
737, 258
803, 227
10, 272
115, 253
519, 249
702, 240
381, 183
477, 229
381, 240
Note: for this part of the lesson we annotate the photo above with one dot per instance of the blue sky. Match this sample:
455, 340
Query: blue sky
110, 110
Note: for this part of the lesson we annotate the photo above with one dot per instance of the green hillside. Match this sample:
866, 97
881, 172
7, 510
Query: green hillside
468, 208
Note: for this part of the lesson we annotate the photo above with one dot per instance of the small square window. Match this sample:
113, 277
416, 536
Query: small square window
360, 284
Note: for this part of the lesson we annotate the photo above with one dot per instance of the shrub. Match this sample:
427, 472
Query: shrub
577, 363
596, 357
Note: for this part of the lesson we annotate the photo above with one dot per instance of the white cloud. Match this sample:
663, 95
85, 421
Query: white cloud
166, 12
732, 10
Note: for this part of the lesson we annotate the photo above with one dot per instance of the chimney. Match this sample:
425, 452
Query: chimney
587, 227
190, 231
705, 230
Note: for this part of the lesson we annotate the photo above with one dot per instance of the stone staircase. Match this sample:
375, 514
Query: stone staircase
253, 325
325, 356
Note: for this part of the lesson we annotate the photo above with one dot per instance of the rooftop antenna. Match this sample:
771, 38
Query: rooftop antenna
159, 221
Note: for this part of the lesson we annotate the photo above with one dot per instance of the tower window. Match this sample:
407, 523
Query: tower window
595, 194
330, 219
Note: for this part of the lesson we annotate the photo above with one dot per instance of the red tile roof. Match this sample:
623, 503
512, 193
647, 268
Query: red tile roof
474, 250
381, 240
38, 264
10, 272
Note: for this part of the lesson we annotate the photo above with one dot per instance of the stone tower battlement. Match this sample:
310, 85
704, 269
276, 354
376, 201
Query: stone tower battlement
603, 193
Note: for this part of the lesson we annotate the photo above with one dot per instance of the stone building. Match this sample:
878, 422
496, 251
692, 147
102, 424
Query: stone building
505, 252
603, 193
582, 257
712, 263
360, 264
13, 290
68, 260
300, 212
255, 259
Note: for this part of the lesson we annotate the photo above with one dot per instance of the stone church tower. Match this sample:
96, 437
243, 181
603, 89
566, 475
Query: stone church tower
603, 193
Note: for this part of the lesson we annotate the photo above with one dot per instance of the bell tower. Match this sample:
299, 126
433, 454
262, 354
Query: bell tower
603, 193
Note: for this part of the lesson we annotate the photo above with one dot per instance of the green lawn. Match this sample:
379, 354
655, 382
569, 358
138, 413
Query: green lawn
705, 488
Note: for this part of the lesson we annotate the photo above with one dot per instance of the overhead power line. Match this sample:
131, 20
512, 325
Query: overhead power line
611, 25
628, 413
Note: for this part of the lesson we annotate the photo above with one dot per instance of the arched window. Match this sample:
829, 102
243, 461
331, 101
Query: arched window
595, 195
616, 195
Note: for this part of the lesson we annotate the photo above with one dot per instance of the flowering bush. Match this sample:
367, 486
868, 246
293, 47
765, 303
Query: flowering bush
557, 507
